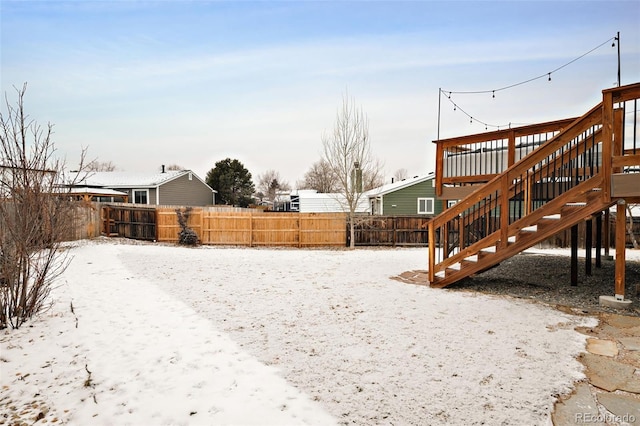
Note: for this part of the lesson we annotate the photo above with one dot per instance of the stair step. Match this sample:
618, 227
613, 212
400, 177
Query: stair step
550, 220
532, 228
552, 217
487, 250
471, 260
455, 267
571, 207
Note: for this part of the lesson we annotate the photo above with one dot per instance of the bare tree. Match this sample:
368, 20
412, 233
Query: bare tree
270, 183
175, 167
401, 174
100, 166
35, 213
373, 178
320, 177
347, 151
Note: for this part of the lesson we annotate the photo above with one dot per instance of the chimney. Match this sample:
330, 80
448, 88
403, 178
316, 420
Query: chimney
163, 168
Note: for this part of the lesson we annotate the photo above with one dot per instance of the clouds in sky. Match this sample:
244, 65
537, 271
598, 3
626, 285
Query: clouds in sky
148, 83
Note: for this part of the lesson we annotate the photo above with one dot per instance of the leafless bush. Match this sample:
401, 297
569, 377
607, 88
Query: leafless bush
186, 236
35, 213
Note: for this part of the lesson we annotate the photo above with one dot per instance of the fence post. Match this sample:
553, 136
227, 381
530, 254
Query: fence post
251, 229
393, 230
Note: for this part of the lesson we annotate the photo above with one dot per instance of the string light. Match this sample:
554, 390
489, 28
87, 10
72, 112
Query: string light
547, 74
456, 107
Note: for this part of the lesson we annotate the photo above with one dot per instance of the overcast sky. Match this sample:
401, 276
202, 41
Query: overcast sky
145, 83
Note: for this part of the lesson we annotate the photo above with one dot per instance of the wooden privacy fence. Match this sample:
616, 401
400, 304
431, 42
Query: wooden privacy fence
246, 227
391, 231
255, 228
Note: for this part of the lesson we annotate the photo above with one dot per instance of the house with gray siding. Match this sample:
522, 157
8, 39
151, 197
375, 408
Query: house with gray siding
412, 196
174, 187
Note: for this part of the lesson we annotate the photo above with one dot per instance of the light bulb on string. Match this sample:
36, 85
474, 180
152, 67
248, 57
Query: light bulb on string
494, 94
549, 76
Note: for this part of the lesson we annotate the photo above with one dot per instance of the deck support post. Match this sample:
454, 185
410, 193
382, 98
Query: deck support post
588, 242
574, 255
621, 237
599, 240
618, 300
607, 234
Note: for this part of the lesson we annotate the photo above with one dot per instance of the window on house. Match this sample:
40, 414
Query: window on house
141, 196
425, 205
451, 203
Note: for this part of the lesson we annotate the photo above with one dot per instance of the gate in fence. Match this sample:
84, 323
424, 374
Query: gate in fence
138, 223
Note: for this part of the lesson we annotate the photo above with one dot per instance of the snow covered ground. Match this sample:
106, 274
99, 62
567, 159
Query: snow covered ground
156, 334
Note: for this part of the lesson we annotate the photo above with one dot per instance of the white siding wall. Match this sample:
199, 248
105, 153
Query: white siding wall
329, 203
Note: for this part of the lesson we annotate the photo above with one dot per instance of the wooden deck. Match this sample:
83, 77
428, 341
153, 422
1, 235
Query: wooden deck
519, 186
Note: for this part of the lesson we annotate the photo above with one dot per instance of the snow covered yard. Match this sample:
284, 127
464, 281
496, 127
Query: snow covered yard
170, 335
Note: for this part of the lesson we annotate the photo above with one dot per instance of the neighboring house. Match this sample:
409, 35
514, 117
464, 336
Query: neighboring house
412, 196
311, 201
175, 187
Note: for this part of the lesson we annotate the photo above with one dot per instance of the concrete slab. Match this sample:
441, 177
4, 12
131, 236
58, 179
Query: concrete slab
581, 405
602, 347
611, 302
626, 409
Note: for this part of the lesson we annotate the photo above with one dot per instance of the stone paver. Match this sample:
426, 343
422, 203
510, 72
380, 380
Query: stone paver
580, 406
606, 373
622, 321
631, 343
626, 408
602, 347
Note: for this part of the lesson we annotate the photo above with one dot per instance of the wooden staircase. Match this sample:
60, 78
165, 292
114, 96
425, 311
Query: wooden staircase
560, 183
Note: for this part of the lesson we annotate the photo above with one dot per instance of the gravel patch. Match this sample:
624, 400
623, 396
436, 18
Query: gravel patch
547, 279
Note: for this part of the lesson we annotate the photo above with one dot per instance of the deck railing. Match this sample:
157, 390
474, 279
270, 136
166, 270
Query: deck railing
479, 158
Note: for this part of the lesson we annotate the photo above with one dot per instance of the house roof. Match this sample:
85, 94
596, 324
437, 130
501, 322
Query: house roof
131, 179
97, 191
134, 179
395, 186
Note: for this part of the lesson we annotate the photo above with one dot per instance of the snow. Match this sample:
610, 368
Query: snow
157, 334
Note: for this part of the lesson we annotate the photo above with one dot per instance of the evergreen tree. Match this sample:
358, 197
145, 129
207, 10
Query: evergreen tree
233, 183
